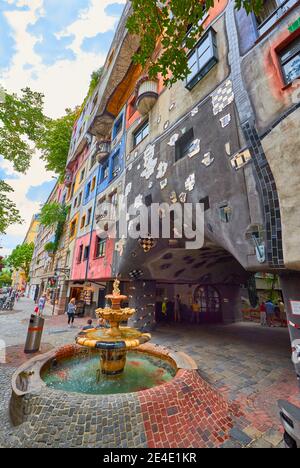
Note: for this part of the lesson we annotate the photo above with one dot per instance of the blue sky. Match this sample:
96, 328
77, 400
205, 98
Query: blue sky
52, 46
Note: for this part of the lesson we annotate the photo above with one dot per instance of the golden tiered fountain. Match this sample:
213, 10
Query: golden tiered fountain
113, 342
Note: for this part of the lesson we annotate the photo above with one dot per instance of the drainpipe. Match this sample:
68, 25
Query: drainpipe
92, 227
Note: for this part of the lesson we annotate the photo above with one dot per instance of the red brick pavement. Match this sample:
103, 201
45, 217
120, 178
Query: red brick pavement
185, 413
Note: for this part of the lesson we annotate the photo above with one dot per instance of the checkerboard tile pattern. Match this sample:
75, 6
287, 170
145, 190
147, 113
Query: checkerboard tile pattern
222, 97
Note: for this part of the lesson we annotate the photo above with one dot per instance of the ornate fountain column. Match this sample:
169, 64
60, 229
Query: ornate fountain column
113, 341
143, 299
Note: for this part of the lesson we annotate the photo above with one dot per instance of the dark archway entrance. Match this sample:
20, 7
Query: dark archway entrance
207, 304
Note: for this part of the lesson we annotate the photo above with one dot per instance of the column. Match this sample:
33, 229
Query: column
231, 302
143, 299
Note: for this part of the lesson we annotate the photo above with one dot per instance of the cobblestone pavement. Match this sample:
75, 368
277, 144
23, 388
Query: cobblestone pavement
249, 365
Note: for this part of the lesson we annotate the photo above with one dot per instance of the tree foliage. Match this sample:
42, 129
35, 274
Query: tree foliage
177, 24
8, 210
5, 279
53, 214
22, 123
55, 142
21, 257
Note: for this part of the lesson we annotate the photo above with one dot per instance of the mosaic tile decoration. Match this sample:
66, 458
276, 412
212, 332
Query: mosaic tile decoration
222, 97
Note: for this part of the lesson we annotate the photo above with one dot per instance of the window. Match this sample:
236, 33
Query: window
82, 176
183, 145
290, 61
80, 252
141, 133
225, 213
116, 165
79, 199
202, 58
100, 247
105, 171
82, 222
268, 7
148, 200
89, 217
93, 184
75, 203
86, 252
118, 127
88, 190
73, 228
93, 159
205, 202
271, 12
113, 202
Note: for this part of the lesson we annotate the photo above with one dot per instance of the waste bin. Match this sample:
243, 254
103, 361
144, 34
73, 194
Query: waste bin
34, 335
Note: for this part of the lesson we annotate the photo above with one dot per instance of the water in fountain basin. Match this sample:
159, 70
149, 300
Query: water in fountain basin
80, 375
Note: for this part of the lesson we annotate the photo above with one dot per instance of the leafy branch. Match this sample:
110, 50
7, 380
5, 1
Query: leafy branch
169, 30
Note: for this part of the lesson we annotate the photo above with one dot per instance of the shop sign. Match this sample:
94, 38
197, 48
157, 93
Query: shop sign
295, 26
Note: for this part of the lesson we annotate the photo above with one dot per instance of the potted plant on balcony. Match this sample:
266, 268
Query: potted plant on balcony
146, 94
51, 248
103, 150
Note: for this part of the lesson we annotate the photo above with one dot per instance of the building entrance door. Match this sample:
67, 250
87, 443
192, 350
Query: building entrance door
208, 300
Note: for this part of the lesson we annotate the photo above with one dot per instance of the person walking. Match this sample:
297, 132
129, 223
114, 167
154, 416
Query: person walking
283, 318
263, 314
177, 309
270, 308
71, 312
196, 311
42, 304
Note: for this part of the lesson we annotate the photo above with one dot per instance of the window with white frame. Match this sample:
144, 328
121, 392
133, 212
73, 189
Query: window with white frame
141, 133
290, 61
202, 58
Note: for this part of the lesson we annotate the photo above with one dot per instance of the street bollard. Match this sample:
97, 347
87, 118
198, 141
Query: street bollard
34, 335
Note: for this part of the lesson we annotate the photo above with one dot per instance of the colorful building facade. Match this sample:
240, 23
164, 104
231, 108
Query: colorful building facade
227, 138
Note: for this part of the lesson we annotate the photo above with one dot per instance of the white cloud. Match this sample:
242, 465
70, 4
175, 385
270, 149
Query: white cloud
35, 176
64, 85
66, 82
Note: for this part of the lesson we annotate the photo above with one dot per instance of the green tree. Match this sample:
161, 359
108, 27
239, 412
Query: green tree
5, 279
8, 210
55, 142
54, 215
21, 257
22, 123
177, 23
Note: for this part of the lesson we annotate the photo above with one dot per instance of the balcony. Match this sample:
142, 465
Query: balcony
266, 20
147, 95
68, 178
103, 150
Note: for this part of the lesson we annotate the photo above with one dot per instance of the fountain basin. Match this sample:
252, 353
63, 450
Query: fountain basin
113, 347
175, 413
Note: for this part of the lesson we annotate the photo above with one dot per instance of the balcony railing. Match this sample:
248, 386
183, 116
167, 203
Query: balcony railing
275, 16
